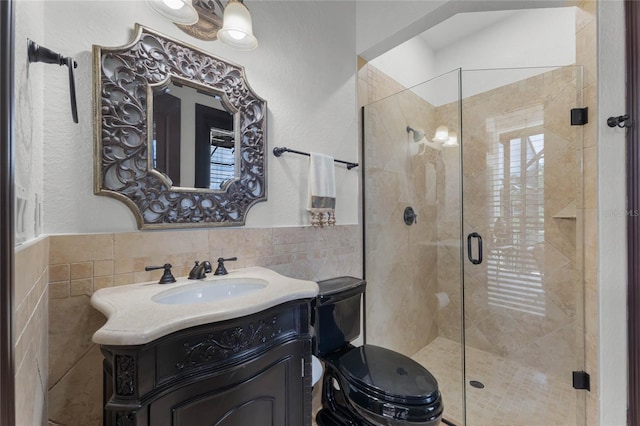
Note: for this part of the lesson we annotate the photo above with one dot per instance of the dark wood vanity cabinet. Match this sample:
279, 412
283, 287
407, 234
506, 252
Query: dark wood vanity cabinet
249, 371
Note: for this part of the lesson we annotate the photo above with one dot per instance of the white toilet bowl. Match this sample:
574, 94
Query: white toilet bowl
316, 370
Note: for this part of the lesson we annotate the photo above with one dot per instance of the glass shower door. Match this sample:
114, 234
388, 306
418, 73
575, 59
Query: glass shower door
412, 220
523, 285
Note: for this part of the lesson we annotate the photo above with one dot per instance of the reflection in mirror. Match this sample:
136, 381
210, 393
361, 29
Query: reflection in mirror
172, 171
193, 140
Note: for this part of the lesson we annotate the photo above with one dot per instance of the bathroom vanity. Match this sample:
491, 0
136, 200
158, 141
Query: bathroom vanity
231, 361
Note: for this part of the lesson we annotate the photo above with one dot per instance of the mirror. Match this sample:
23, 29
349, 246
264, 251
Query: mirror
193, 141
180, 135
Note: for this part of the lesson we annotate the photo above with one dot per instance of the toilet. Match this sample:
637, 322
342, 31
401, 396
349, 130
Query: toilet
365, 385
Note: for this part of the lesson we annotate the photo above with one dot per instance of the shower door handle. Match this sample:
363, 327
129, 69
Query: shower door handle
470, 252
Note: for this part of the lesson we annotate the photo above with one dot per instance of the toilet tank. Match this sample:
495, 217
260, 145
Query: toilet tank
336, 315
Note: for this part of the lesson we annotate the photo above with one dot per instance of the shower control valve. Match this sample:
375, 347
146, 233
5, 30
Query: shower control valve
410, 216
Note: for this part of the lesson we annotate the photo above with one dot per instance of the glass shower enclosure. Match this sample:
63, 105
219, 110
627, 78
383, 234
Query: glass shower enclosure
473, 239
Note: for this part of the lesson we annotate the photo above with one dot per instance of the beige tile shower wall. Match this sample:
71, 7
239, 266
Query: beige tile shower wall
30, 332
81, 264
401, 259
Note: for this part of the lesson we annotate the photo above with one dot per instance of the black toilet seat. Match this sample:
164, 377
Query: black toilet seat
385, 383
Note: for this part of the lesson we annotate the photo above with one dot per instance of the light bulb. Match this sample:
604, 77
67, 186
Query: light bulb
177, 11
174, 4
453, 140
442, 134
237, 35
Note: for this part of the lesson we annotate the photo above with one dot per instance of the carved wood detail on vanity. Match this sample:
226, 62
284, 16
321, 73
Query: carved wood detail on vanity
218, 346
125, 375
125, 418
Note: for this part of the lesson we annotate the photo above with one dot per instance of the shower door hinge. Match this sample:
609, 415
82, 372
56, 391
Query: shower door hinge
581, 380
579, 116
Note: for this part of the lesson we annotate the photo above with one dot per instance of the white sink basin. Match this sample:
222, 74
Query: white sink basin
140, 313
205, 292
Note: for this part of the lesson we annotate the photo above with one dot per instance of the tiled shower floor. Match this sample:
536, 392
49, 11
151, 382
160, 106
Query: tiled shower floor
514, 394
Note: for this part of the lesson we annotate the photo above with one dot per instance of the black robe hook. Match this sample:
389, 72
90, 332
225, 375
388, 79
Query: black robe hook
42, 54
620, 121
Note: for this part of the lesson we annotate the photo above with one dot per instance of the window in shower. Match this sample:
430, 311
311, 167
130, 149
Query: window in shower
514, 261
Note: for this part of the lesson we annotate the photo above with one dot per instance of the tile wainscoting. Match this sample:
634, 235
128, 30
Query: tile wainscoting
30, 331
82, 264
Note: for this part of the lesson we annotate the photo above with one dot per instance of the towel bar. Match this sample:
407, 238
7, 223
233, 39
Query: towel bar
278, 151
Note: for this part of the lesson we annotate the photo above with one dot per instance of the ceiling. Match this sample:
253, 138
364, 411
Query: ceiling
461, 26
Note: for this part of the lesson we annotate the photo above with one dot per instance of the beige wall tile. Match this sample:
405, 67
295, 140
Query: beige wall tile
59, 290
30, 262
81, 270
590, 176
102, 282
72, 322
81, 286
122, 266
103, 267
123, 279
59, 272
30, 350
159, 244
76, 398
80, 248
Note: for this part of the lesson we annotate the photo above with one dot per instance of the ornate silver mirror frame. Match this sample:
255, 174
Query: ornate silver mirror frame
122, 76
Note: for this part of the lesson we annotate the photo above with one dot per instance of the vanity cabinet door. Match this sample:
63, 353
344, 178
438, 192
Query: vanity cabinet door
265, 391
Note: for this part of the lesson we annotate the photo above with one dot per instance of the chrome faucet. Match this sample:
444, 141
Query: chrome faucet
200, 270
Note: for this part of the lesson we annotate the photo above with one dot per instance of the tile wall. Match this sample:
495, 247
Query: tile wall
30, 331
81, 264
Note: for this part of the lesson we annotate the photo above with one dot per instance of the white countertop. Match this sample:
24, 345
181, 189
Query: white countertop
133, 318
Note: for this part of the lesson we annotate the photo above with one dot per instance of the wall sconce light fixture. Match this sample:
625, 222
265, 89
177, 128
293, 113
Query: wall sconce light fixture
177, 11
210, 20
442, 134
443, 137
452, 141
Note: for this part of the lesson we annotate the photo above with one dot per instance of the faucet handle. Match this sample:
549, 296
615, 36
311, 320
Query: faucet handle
167, 276
192, 273
221, 270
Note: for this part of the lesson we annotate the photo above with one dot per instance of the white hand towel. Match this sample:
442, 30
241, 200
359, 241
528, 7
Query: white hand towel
322, 190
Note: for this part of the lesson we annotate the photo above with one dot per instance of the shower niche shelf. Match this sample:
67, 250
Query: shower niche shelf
569, 212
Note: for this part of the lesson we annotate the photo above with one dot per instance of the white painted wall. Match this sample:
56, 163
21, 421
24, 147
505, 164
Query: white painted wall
382, 25
306, 74
612, 261
28, 130
505, 44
